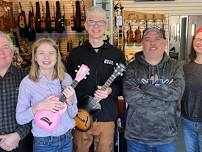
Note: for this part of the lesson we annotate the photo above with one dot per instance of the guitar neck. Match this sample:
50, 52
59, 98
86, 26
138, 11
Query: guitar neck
109, 81
74, 84
106, 85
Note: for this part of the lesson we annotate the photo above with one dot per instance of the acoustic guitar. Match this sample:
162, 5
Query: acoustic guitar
31, 25
22, 22
130, 35
83, 122
138, 37
48, 120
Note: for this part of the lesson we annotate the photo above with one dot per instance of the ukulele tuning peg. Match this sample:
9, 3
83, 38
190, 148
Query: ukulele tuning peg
79, 66
76, 71
117, 64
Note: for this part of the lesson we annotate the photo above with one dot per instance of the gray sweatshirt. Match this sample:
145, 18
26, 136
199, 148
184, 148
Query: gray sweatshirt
152, 93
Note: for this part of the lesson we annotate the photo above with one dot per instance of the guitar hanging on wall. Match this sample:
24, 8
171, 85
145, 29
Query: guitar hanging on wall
48, 19
63, 20
58, 26
91, 104
53, 18
31, 25
22, 22
38, 18
43, 17
77, 25
48, 120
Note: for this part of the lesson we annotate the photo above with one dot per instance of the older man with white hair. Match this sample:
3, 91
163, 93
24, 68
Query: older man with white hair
12, 135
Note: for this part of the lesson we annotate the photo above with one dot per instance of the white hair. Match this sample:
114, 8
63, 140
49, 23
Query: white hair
96, 10
10, 42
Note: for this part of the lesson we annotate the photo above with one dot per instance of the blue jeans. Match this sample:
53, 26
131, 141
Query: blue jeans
192, 135
61, 143
134, 146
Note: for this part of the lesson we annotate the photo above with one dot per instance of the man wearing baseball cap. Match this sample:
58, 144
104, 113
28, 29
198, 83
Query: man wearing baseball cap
152, 86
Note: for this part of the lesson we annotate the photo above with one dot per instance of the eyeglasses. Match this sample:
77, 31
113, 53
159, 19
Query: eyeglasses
98, 23
198, 40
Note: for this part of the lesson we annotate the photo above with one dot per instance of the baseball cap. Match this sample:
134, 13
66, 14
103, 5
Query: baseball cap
198, 30
154, 29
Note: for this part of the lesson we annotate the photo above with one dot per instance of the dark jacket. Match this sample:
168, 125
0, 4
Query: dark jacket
152, 112
101, 66
192, 98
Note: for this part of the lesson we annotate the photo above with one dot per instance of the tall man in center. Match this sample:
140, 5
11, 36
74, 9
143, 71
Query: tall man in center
101, 57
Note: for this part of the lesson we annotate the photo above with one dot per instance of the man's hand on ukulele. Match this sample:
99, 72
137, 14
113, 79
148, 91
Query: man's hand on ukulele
101, 93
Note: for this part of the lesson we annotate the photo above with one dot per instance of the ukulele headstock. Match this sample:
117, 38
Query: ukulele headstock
120, 68
82, 72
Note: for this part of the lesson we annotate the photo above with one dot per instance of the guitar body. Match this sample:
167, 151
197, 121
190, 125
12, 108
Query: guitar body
138, 38
130, 37
22, 22
48, 120
83, 120
89, 105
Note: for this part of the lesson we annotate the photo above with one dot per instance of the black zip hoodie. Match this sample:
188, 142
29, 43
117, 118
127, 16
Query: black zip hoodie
101, 66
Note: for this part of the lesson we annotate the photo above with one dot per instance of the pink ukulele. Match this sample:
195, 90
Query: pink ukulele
48, 120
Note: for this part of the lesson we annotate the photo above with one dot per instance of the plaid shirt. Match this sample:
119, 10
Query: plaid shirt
9, 85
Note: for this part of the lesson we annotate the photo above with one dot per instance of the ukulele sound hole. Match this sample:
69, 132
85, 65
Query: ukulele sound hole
45, 119
83, 120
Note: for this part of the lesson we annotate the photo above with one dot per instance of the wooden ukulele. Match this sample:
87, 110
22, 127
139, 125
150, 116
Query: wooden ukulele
21, 17
138, 38
130, 37
48, 120
83, 120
